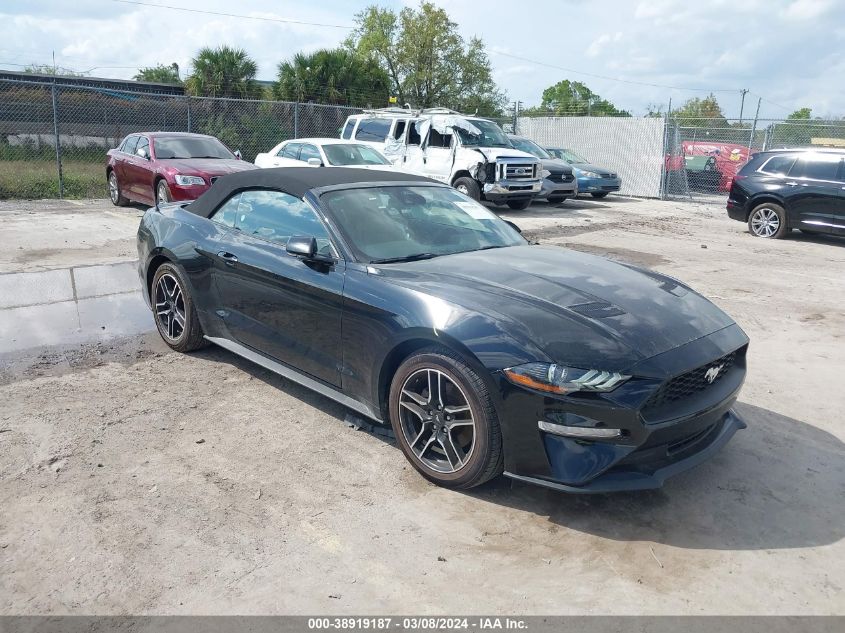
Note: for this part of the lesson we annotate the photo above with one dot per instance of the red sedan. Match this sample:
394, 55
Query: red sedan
153, 167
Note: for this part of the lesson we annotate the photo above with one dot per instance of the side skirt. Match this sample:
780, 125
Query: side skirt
296, 376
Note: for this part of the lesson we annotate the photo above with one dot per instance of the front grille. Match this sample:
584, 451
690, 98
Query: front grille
692, 382
608, 176
561, 177
518, 171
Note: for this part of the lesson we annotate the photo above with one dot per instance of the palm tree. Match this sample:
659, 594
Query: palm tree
223, 72
338, 77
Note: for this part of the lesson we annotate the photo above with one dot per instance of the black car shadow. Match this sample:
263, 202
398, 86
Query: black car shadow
817, 238
779, 484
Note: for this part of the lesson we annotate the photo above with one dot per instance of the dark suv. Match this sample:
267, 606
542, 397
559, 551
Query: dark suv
786, 189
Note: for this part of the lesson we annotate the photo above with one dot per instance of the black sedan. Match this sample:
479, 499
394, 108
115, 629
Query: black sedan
411, 303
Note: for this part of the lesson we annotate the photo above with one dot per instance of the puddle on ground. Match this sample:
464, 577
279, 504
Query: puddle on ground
70, 306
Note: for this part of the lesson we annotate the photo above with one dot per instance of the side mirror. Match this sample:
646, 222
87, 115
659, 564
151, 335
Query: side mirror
142, 153
315, 162
513, 226
302, 246
238, 154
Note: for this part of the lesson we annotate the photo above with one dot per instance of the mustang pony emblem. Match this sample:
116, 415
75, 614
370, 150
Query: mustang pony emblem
712, 373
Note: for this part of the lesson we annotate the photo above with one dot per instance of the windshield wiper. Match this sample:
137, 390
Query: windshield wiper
405, 258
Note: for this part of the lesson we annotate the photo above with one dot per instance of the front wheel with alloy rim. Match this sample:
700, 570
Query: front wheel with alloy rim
162, 193
767, 220
444, 419
174, 311
117, 198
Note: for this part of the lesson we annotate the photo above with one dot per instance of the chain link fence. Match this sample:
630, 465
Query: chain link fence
54, 136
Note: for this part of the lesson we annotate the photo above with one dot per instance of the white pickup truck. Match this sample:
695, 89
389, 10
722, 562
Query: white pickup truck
472, 154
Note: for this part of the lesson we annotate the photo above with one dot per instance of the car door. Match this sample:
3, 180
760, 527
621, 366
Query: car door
137, 170
272, 301
287, 156
813, 192
438, 155
127, 150
413, 160
309, 151
145, 169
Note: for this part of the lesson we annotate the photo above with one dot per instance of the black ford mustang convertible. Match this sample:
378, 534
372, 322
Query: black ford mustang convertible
410, 303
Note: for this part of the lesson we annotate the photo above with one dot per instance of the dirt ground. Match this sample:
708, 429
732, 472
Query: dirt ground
135, 480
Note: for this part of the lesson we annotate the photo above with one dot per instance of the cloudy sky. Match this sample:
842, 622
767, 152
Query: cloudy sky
634, 53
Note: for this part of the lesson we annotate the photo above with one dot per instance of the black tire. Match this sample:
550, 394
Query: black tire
162, 192
767, 220
190, 335
468, 187
115, 194
484, 459
519, 205
600, 194
556, 199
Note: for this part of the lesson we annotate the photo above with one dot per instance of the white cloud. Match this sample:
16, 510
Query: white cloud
807, 9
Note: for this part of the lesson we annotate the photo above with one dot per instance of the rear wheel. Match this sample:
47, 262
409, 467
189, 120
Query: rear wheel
444, 419
599, 194
468, 187
162, 193
174, 311
767, 220
117, 198
519, 205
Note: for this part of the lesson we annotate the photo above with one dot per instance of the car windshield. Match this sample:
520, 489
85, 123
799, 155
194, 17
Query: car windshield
568, 156
491, 135
175, 147
523, 144
403, 223
349, 154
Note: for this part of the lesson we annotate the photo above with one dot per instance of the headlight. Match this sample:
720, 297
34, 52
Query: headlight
545, 173
590, 174
560, 379
189, 180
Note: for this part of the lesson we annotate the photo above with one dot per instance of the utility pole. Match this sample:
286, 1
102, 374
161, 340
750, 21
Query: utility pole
742, 103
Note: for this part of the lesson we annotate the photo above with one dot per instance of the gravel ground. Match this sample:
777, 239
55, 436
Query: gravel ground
134, 480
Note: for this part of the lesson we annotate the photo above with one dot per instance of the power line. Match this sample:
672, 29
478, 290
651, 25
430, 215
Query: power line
234, 15
625, 81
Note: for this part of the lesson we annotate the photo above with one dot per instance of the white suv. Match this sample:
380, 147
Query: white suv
472, 154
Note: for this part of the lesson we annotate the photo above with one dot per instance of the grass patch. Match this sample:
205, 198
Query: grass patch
35, 179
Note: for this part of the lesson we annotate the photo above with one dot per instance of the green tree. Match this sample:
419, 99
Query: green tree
223, 72
572, 98
697, 112
46, 69
426, 59
801, 114
159, 74
338, 76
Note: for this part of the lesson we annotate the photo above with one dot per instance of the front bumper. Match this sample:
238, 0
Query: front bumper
186, 193
503, 190
657, 440
552, 188
598, 185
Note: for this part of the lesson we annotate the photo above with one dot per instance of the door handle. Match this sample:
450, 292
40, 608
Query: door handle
228, 258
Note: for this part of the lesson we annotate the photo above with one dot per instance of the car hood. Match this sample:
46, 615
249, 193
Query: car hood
206, 166
556, 166
601, 171
495, 153
579, 309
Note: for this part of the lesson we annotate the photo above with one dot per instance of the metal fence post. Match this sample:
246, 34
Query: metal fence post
58, 142
663, 176
754, 126
296, 119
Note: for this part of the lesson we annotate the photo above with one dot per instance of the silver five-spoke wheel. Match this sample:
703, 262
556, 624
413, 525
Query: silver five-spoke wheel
170, 306
114, 191
163, 195
436, 420
765, 222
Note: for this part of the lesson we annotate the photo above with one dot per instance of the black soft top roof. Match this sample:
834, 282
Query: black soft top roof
293, 180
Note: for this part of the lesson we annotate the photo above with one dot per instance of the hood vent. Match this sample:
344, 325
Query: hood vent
597, 309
